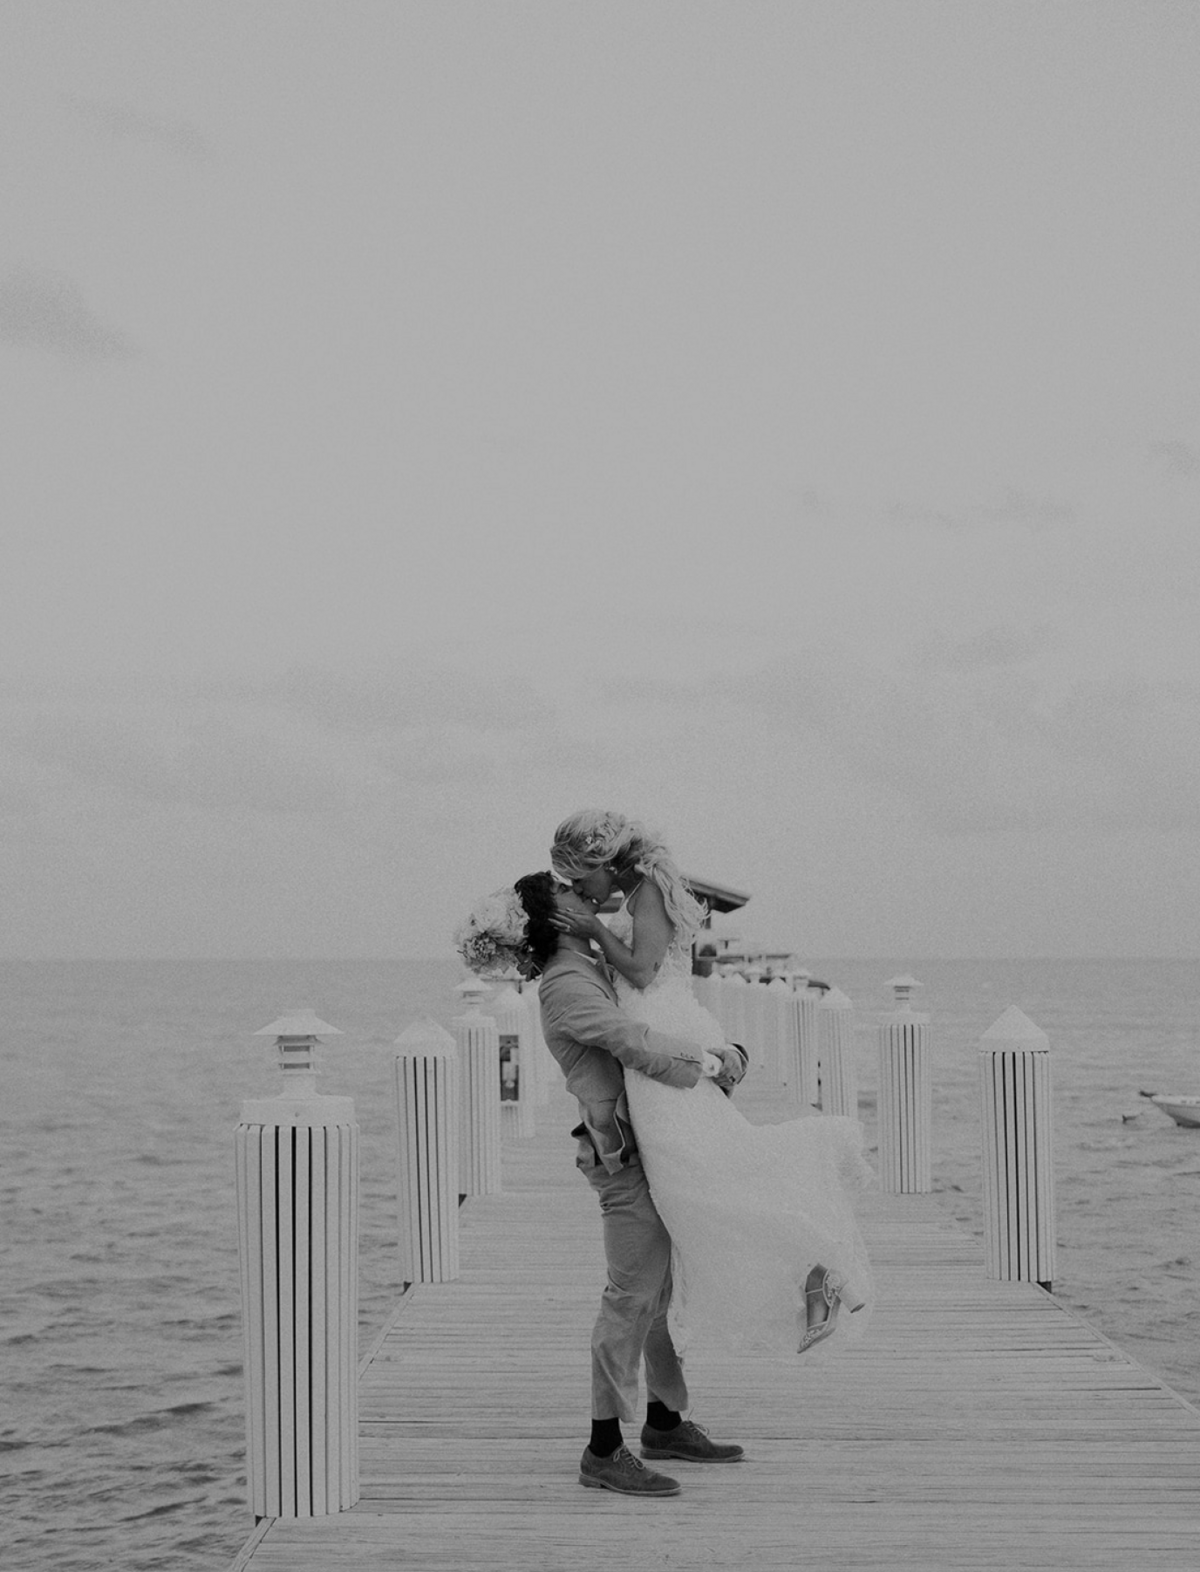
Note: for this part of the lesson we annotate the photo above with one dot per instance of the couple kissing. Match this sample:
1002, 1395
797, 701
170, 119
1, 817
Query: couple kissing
714, 1228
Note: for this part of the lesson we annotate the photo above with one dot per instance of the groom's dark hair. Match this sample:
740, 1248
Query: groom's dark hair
536, 894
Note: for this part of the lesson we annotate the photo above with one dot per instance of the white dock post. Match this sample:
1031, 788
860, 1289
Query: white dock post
717, 1000
752, 998
478, 1094
540, 1058
707, 990
839, 1073
734, 1018
297, 1190
1018, 1160
905, 1097
516, 1074
427, 1153
777, 1029
803, 1076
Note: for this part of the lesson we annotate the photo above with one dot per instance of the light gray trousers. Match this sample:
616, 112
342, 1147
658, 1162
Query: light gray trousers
632, 1324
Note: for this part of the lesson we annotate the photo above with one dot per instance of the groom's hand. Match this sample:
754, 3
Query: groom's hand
734, 1061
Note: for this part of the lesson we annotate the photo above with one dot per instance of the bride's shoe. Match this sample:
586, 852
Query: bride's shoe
833, 1291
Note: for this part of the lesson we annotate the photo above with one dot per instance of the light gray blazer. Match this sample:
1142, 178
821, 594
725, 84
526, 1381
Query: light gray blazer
593, 1038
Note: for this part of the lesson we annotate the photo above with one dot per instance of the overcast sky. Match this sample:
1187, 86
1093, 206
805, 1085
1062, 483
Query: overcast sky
776, 421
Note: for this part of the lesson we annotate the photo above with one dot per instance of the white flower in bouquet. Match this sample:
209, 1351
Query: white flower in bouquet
492, 938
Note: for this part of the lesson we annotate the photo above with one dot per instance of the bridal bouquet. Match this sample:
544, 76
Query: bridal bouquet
492, 938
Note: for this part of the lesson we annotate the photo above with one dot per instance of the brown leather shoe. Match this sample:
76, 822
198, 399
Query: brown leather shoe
690, 1442
623, 1473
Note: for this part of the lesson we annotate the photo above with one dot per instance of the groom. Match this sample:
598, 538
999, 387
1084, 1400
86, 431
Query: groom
592, 1039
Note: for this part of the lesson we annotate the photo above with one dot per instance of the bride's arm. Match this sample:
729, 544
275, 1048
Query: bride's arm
653, 931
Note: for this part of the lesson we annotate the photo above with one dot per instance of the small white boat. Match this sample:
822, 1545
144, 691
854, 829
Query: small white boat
1184, 1110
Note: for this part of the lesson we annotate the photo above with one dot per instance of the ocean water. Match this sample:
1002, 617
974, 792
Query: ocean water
121, 1430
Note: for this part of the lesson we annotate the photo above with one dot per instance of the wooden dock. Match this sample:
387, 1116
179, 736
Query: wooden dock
979, 1424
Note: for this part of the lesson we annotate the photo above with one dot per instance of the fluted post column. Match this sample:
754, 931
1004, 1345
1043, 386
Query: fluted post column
297, 1193
1018, 1158
541, 1062
905, 1096
479, 1094
835, 1034
803, 1075
427, 1161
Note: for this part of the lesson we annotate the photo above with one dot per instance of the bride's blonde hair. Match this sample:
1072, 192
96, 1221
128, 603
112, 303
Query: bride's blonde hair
596, 838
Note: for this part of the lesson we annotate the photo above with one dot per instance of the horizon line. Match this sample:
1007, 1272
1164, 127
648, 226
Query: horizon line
890, 957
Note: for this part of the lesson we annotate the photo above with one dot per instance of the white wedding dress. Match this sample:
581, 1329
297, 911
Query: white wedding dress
750, 1208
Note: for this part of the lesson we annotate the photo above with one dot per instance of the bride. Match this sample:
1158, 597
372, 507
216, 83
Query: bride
766, 1247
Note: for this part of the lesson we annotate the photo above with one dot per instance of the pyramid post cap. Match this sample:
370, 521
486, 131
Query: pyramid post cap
1014, 1026
298, 1023
426, 1036
472, 989
835, 999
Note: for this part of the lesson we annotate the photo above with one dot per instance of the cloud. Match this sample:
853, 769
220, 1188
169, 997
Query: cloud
985, 651
982, 748
810, 503
395, 813
415, 694
640, 692
117, 121
309, 742
17, 801
1139, 742
44, 310
1012, 509
205, 757
1175, 458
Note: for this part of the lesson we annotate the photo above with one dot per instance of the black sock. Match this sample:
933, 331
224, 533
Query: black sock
606, 1437
660, 1417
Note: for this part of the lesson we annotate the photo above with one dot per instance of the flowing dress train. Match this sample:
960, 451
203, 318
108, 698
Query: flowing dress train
751, 1208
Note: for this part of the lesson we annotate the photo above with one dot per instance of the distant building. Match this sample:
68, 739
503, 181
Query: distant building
756, 962
716, 898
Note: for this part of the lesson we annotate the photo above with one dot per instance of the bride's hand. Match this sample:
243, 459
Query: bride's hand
583, 925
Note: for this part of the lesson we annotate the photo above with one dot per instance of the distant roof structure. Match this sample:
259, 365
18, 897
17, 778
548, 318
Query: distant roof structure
717, 897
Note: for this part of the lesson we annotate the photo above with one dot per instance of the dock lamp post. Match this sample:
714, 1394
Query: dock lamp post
905, 1096
297, 1190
